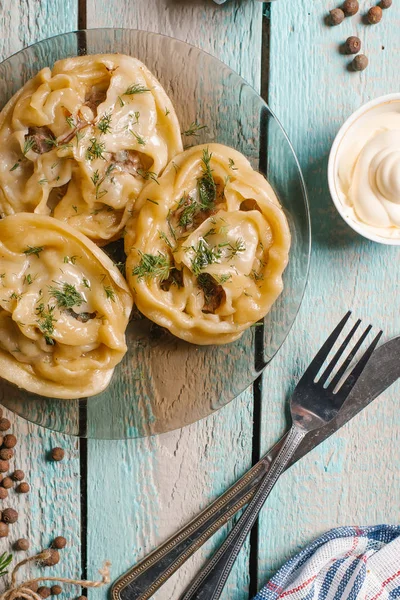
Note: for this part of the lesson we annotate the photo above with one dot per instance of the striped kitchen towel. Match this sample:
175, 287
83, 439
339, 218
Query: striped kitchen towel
347, 563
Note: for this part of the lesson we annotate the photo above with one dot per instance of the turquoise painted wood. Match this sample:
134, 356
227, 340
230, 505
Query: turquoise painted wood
354, 477
140, 492
53, 505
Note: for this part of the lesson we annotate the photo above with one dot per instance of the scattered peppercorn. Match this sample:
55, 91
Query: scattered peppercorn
3, 529
56, 590
350, 7
52, 559
81, 598
22, 544
360, 62
374, 15
353, 45
336, 16
4, 424
1, 412
18, 475
44, 591
57, 454
34, 586
385, 4
4, 466
3, 493
7, 483
9, 440
9, 515
23, 488
6, 453
59, 542
1, 440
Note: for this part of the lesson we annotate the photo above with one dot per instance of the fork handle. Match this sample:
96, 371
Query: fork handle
146, 577
210, 581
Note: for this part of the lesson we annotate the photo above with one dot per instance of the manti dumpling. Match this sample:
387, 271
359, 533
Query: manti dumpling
78, 142
64, 308
207, 245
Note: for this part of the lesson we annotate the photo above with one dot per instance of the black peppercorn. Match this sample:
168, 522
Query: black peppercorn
350, 7
360, 62
374, 15
336, 16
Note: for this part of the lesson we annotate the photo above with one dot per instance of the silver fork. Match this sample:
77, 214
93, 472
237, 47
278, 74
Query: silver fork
312, 405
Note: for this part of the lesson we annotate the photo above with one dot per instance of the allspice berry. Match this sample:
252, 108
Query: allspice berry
9, 440
353, 45
385, 4
57, 454
336, 16
9, 515
59, 542
56, 590
4, 424
3, 493
350, 7
34, 586
23, 488
360, 62
22, 544
6, 453
81, 598
7, 483
52, 559
18, 475
3, 529
4, 466
374, 15
44, 591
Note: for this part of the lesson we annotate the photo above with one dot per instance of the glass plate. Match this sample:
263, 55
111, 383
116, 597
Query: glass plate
164, 383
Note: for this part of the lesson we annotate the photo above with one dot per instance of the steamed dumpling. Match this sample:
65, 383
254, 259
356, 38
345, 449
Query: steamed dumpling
64, 308
207, 245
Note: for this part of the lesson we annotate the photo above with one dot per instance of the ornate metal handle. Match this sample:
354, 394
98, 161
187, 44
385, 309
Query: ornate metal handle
210, 582
144, 579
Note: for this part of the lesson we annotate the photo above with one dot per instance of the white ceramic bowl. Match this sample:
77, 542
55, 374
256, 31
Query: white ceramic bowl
333, 180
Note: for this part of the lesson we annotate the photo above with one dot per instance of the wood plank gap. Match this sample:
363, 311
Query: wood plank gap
83, 463
265, 47
256, 445
82, 14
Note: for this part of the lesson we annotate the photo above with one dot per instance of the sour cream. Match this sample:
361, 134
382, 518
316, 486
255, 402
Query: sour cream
364, 170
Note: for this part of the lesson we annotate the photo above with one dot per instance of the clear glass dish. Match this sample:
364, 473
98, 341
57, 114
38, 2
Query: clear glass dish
164, 383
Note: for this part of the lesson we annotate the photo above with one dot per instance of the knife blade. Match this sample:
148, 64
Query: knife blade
145, 578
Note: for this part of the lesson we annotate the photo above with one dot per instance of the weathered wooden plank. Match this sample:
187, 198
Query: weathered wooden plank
353, 478
53, 505
163, 481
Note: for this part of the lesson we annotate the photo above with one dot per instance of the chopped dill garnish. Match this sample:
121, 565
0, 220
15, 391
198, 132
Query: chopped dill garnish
67, 296
204, 256
141, 141
152, 266
36, 250
146, 175
152, 201
163, 236
256, 276
46, 322
28, 279
236, 247
70, 121
223, 278
43, 181
85, 283
109, 292
71, 259
135, 88
54, 165
171, 229
15, 166
79, 135
15, 296
136, 114
206, 184
95, 150
175, 166
232, 164
193, 129
28, 145
98, 181
104, 125
121, 266
167, 111
121, 102
75, 208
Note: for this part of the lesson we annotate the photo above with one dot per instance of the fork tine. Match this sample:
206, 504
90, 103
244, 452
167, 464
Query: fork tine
350, 381
321, 355
338, 354
347, 361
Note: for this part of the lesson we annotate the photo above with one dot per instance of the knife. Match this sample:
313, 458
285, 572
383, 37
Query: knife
145, 578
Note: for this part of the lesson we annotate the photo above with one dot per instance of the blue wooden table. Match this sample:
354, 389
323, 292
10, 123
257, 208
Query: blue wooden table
119, 500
